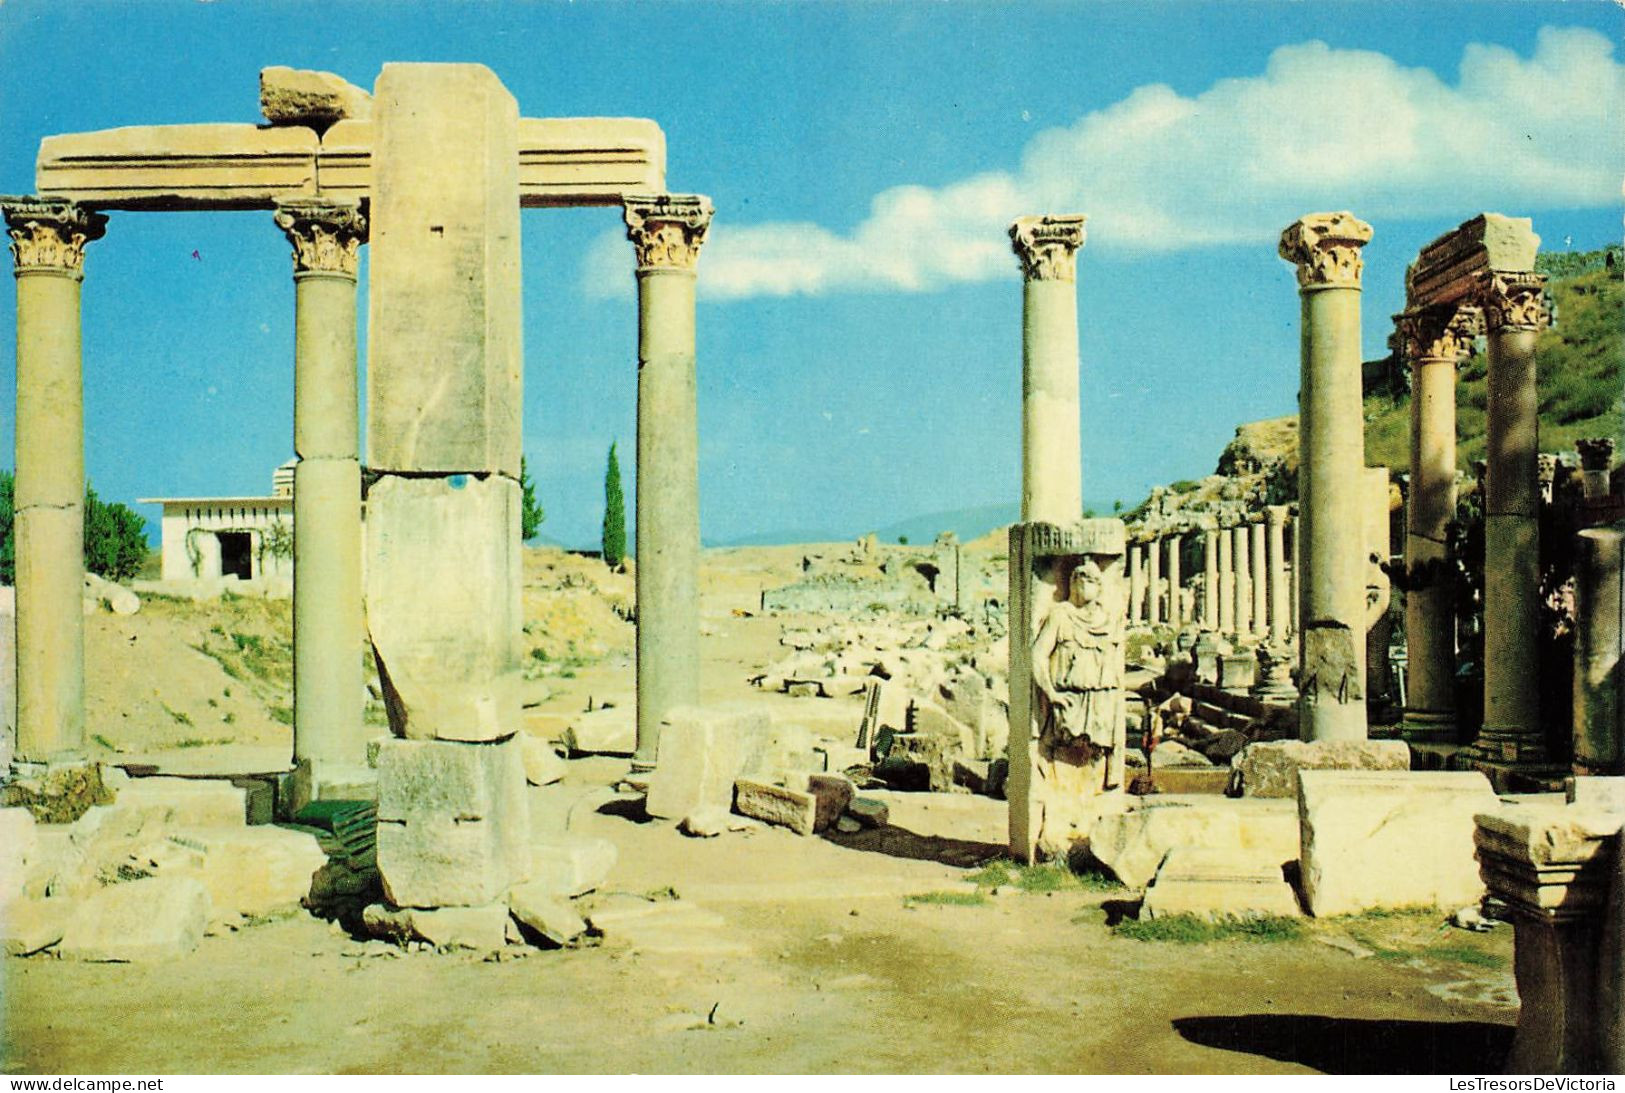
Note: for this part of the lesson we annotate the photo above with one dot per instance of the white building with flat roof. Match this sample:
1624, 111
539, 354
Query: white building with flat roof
230, 538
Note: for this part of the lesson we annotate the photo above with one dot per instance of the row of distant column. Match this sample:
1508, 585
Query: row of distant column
1247, 579
48, 240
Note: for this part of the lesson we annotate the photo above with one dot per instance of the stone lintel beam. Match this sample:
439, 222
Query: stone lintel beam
562, 162
1448, 271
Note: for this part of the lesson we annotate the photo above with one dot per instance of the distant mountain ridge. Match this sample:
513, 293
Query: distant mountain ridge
967, 523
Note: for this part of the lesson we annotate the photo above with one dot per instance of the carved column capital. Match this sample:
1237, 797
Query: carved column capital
50, 236
668, 229
1513, 300
1326, 249
1439, 334
1596, 453
1048, 246
326, 236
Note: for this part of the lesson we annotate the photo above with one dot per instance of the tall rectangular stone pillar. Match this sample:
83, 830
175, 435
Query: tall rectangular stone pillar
1067, 740
443, 442
1599, 651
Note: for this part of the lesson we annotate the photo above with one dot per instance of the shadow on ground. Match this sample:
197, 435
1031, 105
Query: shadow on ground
900, 842
1348, 1045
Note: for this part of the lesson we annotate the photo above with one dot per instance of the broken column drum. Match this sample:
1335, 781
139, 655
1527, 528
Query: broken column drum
1325, 249
667, 232
48, 248
327, 605
1051, 471
1067, 741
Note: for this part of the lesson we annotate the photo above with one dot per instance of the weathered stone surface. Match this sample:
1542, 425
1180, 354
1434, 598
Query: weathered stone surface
1132, 844
779, 750
443, 610
1270, 768
119, 600
834, 793
480, 928
153, 919
543, 766
707, 823
230, 165
18, 839
178, 802
549, 917
444, 360
300, 96
1171, 753
1378, 839
778, 805
29, 925
254, 871
608, 730
702, 752
571, 865
443, 778
1219, 882
869, 812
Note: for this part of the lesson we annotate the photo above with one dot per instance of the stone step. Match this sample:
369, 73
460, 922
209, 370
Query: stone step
1220, 882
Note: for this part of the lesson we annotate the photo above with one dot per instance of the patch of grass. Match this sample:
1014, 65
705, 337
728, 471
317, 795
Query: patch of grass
180, 716
1466, 954
946, 899
1043, 877
281, 714
1193, 930
200, 742
991, 875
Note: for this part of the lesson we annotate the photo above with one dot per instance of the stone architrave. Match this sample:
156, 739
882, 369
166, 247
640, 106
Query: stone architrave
1226, 585
1066, 747
1434, 342
328, 622
1210, 580
1599, 651
667, 232
1243, 587
1280, 615
1325, 249
48, 241
1154, 585
1258, 570
1596, 463
1176, 600
1051, 471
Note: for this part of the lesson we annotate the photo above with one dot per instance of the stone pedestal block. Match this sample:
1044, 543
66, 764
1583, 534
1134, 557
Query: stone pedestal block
1374, 839
702, 753
443, 607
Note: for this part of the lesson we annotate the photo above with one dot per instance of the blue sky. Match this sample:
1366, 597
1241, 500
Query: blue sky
859, 325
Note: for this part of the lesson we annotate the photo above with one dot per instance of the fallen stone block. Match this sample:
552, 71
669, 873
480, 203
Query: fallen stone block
702, 752
254, 871
152, 919
119, 600
18, 840
441, 862
834, 792
545, 915
777, 750
1270, 768
608, 730
1218, 883
543, 766
1374, 839
177, 802
869, 812
1224, 745
444, 778
1171, 753
707, 823
1132, 844
571, 865
29, 925
778, 805
297, 96
480, 928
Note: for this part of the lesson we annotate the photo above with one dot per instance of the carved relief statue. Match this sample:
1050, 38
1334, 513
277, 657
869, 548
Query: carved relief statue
1076, 663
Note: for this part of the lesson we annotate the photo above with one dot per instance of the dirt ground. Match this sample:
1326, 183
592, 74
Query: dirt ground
823, 962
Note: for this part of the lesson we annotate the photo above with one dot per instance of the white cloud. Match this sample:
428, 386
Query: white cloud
1320, 128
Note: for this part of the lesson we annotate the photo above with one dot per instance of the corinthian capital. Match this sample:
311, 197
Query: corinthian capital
668, 229
1513, 300
326, 237
1048, 246
1326, 249
1437, 334
50, 236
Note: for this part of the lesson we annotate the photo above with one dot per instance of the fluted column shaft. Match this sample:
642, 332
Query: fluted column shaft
667, 233
1325, 248
47, 244
1051, 467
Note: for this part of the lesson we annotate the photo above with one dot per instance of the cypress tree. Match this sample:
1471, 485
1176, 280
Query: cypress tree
614, 513
531, 514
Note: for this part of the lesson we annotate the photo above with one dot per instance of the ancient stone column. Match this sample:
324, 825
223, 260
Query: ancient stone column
1293, 599
328, 729
1226, 583
48, 246
1325, 248
1599, 651
1051, 467
1210, 580
667, 232
1154, 581
1243, 589
1136, 578
1280, 615
1258, 569
1596, 461
1514, 312
1434, 342
1176, 601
